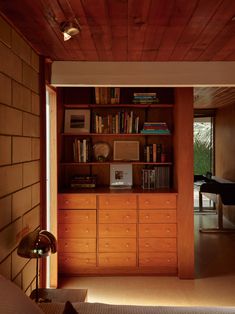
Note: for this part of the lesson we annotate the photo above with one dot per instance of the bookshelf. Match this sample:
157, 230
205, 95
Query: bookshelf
116, 121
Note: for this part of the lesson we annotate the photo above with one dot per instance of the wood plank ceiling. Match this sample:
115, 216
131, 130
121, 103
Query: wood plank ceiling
129, 30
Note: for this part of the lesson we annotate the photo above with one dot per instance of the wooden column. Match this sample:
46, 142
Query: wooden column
183, 155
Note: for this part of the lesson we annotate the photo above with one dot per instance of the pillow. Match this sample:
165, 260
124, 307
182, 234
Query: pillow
14, 301
69, 309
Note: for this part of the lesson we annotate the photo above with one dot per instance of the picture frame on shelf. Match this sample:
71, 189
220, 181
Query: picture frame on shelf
121, 176
126, 150
77, 121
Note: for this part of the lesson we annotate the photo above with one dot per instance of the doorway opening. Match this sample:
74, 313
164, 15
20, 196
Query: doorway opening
203, 129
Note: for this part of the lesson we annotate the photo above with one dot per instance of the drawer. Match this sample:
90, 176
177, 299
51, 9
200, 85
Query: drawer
77, 245
72, 262
157, 216
121, 216
76, 201
76, 216
117, 230
117, 245
77, 231
117, 259
157, 245
165, 200
157, 230
157, 259
117, 201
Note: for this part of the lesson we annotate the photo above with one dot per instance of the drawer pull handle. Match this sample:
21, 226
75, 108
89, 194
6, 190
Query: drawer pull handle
167, 202
168, 230
147, 216
87, 230
147, 230
107, 216
87, 244
66, 229
146, 202
127, 245
127, 230
66, 244
128, 202
127, 216
106, 202
66, 202
168, 216
106, 244
107, 259
87, 260
127, 259
147, 245
168, 260
87, 217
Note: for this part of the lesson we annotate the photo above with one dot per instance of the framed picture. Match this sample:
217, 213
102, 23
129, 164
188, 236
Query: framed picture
120, 176
126, 150
77, 121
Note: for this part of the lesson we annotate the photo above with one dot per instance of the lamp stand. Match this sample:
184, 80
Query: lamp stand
37, 294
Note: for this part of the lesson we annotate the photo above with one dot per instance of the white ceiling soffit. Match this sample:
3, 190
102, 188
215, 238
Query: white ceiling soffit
73, 73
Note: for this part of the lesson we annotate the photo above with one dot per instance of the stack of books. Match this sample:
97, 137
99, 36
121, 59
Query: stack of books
83, 182
148, 179
81, 150
155, 128
145, 98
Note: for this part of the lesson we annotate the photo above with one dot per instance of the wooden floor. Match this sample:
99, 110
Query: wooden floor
214, 283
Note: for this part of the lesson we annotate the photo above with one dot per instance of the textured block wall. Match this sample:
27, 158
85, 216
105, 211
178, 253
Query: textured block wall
19, 153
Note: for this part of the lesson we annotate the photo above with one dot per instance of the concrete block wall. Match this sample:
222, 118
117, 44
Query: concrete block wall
19, 153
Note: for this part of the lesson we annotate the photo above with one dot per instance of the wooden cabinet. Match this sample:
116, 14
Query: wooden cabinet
77, 232
138, 231
157, 231
128, 232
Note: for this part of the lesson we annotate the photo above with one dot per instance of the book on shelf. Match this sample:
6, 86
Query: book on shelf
152, 152
145, 98
81, 150
107, 95
156, 178
83, 181
122, 122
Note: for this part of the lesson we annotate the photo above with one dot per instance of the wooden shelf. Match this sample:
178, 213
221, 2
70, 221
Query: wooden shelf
121, 106
113, 134
117, 162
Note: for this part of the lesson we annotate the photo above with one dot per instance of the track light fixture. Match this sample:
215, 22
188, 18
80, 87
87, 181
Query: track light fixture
70, 29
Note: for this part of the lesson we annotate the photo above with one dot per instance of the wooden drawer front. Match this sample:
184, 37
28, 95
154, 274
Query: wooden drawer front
157, 245
121, 216
157, 230
77, 216
117, 230
157, 216
117, 259
77, 231
77, 201
117, 201
158, 259
77, 245
166, 200
72, 262
117, 245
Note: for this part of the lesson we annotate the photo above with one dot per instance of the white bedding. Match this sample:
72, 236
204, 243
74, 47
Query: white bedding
100, 308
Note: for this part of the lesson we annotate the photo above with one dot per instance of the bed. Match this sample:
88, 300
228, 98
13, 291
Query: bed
14, 301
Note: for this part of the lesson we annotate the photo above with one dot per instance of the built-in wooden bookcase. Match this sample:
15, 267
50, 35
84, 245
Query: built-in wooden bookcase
84, 98
135, 231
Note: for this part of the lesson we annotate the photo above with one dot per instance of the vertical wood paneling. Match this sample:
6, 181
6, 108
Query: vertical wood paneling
183, 147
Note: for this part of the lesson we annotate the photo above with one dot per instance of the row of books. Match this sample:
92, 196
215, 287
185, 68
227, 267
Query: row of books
121, 122
83, 181
155, 128
145, 98
153, 152
155, 178
81, 150
107, 95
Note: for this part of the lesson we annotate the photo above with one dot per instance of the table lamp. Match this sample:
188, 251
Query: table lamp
37, 244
